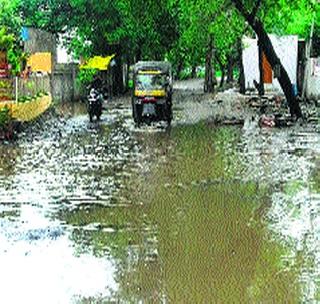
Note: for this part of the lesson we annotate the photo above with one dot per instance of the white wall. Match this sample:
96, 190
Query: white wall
250, 59
286, 48
313, 78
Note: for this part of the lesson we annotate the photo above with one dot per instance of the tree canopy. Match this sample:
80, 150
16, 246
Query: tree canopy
179, 30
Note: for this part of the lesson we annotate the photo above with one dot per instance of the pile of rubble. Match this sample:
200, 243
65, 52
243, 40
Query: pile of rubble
231, 107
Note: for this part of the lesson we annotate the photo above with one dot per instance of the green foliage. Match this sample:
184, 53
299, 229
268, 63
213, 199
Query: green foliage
9, 16
143, 29
5, 85
85, 76
14, 60
177, 30
292, 17
6, 40
15, 55
4, 117
23, 99
10, 25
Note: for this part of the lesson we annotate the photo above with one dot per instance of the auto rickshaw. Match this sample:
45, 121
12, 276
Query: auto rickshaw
152, 92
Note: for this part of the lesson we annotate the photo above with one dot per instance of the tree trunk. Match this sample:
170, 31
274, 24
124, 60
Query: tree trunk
138, 54
230, 70
222, 76
222, 69
179, 69
261, 81
273, 59
194, 72
209, 82
118, 74
242, 84
127, 77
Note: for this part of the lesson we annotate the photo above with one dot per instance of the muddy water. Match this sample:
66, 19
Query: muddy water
103, 212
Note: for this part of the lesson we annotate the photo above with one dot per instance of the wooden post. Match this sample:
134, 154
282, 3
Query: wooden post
17, 89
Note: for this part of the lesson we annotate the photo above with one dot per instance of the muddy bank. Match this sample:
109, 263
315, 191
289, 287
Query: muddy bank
232, 108
191, 105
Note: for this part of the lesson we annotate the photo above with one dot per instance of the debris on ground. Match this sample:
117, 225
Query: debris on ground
272, 109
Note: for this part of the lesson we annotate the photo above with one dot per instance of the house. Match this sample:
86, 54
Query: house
42, 48
48, 58
302, 66
286, 47
313, 78
311, 87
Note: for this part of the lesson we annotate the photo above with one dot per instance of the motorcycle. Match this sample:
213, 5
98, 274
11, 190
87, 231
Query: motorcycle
95, 101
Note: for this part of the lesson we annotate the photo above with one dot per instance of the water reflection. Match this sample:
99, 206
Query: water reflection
212, 242
193, 214
46, 271
67, 165
291, 170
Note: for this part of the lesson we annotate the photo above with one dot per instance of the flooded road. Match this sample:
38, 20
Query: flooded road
108, 213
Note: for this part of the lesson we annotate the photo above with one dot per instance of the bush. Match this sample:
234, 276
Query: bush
4, 117
5, 85
185, 74
85, 76
23, 99
201, 72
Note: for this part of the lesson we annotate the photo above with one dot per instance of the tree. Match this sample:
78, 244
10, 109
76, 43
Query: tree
9, 16
226, 39
10, 26
133, 29
189, 33
270, 54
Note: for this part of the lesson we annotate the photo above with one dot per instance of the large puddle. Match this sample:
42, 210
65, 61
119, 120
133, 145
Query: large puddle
103, 212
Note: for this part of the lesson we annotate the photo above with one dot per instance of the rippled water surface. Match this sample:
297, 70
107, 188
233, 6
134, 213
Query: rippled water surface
104, 212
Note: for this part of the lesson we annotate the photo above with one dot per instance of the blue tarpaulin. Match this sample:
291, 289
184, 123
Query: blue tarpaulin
25, 34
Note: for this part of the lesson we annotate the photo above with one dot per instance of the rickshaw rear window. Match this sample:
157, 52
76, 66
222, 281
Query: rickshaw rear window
150, 81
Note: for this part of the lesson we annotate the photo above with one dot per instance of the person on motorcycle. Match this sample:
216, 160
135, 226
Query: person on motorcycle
96, 83
95, 98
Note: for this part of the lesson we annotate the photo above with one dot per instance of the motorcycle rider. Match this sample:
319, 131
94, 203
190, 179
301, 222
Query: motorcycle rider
95, 98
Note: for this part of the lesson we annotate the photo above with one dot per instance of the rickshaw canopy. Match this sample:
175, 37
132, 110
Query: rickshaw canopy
152, 67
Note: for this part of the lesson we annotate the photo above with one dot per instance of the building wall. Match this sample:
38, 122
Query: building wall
64, 85
250, 58
39, 41
33, 85
287, 50
313, 78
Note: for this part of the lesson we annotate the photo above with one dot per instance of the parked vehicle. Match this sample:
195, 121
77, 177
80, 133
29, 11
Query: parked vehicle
95, 102
152, 92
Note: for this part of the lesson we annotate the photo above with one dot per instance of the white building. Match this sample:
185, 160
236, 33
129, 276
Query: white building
286, 48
